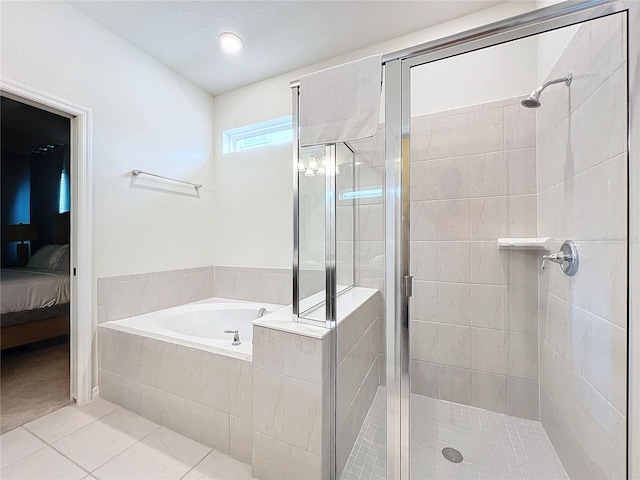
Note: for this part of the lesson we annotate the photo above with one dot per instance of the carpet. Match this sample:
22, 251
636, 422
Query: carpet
34, 381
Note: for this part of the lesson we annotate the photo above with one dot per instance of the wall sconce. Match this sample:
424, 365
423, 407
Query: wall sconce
22, 232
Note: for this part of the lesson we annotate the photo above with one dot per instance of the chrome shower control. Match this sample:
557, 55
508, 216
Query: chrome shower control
567, 258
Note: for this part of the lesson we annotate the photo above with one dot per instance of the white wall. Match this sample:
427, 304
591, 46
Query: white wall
255, 215
551, 44
483, 76
144, 116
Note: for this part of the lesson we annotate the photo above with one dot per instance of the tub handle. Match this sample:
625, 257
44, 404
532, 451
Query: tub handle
236, 337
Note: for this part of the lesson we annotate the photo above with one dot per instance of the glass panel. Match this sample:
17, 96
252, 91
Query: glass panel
313, 194
360, 378
311, 204
345, 217
512, 366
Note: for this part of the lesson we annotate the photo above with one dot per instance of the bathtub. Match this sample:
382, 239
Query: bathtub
200, 325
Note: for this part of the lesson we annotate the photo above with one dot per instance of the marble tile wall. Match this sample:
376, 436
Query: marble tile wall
358, 374
582, 195
269, 285
204, 396
291, 409
129, 295
291, 405
474, 318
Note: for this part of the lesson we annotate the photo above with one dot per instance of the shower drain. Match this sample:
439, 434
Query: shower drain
452, 455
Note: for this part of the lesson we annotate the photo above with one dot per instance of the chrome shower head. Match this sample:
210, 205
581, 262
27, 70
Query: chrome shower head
533, 100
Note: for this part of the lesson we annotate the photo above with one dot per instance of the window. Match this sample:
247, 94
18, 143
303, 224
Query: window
64, 204
261, 134
372, 192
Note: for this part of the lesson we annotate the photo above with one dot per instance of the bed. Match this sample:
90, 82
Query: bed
34, 301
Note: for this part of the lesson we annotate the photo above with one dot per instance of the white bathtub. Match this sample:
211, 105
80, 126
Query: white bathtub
200, 325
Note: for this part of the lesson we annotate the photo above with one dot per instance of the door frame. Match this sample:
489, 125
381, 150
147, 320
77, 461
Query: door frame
397, 158
81, 312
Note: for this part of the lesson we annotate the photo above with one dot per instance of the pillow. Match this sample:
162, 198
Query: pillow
59, 259
51, 257
41, 259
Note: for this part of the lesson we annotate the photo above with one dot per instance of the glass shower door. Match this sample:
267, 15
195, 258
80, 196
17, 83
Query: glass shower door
518, 371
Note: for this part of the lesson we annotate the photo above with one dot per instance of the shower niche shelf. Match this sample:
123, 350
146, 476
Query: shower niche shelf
524, 243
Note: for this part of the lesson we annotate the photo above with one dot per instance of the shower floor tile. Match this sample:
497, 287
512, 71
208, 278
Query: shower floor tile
494, 446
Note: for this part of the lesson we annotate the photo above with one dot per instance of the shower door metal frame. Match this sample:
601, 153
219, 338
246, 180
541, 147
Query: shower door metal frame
397, 158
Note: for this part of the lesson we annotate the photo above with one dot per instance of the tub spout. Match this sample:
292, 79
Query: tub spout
261, 312
236, 337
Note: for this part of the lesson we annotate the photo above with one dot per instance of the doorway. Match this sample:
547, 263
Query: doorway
81, 321
36, 285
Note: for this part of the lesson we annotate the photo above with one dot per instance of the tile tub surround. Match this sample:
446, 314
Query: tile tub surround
582, 195
270, 285
474, 317
291, 386
129, 295
202, 395
291, 404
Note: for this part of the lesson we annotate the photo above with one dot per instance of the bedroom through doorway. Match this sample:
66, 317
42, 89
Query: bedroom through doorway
35, 285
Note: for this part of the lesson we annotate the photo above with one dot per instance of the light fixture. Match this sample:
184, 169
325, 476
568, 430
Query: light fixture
321, 171
308, 173
301, 166
313, 164
230, 42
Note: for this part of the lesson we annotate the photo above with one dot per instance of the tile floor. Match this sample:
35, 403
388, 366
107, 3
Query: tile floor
494, 446
102, 441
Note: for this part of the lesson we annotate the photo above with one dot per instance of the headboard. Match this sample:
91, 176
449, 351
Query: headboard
63, 228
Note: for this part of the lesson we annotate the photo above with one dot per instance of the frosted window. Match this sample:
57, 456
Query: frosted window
261, 134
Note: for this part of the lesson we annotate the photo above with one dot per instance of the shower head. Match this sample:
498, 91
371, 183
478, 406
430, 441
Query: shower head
533, 100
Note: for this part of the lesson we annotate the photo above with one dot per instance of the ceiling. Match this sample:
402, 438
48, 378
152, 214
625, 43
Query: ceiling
279, 36
26, 128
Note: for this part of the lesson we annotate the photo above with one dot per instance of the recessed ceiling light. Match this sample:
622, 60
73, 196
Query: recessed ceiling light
230, 42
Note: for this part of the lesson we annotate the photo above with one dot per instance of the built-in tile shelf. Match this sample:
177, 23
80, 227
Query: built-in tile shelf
524, 243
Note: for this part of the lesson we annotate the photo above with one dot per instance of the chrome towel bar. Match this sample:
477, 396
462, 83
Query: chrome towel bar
136, 173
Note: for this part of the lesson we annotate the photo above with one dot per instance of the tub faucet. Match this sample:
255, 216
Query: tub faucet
236, 337
261, 312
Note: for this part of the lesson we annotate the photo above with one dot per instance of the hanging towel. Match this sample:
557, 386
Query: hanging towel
341, 103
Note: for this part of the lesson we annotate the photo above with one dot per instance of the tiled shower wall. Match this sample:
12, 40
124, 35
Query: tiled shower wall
582, 184
474, 308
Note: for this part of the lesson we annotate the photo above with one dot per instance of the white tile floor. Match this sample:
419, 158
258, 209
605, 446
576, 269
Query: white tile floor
494, 446
102, 441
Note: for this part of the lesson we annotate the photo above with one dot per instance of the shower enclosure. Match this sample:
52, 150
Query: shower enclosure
483, 235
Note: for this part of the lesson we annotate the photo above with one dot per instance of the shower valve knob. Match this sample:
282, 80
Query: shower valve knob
567, 258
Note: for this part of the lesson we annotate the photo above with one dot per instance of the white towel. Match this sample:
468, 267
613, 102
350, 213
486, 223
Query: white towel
341, 103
